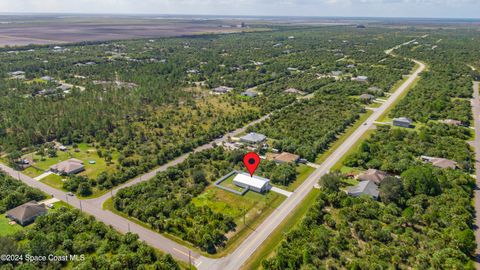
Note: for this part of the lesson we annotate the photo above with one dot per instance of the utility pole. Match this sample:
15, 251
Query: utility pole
244, 213
128, 227
81, 209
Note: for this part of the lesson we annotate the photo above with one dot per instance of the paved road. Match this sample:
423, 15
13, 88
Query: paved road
476, 119
244, 251
236, 259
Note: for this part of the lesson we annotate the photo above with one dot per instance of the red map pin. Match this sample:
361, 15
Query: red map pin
251, 161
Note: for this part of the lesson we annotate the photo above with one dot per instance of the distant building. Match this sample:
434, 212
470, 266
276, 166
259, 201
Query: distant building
47, 78
253, 138
361, 26
222, 89
375, 90
336, 73
285, 157
26, 213
255, 183
360, 79
294, 91
350, 66
64, 87
70, 166
19, 75
373, 175
250, 93
368, 188
451, 122
442, 163
367, 97
402, 122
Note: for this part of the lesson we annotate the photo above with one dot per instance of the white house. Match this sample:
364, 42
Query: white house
255, 183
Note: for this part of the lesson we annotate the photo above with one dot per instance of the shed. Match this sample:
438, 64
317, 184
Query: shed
255, 183
27, 213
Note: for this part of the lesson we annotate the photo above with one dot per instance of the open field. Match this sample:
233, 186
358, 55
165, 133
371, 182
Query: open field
18, 31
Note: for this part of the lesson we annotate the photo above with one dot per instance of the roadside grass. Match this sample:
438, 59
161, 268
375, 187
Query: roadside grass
363, 117
339, 165
268, 247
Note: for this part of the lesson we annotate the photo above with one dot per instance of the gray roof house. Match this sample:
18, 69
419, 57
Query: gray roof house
360, 79
368, 188
253, 138
367, 97
222, 89
70, 166
250, 94
402, 122
26, 213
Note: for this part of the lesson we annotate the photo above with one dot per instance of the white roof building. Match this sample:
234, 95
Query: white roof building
255, 183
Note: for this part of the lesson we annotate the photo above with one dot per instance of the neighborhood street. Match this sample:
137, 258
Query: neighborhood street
236, 259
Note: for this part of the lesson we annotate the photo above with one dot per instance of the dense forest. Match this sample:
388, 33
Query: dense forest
423, 220
447, 85
307, 128
150, 101
424, 217
14, 193
68, 232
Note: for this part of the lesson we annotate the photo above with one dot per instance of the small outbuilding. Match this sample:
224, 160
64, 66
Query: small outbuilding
222, 89
253, 138
26, 213
451, 122
70, 166
368, 188
402, 122
249, 93
255, 183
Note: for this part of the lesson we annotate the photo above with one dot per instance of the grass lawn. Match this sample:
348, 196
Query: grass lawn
267, 248
7, 229
322, 157
54, 181
86, 153
229, 183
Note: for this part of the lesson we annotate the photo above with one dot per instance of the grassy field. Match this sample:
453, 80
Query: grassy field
54, 181
229, 183
268, 246
86, 153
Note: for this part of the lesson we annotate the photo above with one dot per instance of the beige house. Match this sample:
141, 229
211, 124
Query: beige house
70, 166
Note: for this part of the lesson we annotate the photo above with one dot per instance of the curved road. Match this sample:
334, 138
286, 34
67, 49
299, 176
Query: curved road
236, 259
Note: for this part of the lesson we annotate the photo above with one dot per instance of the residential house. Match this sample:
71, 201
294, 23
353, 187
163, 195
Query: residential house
253, 138
250, 93
367, 97
70, 166
451, 122
368, 188
402, 122
222, 89
373, 175
294, 91
26, 213
360, 79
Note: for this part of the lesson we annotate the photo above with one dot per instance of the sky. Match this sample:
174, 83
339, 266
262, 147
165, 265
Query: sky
347, 8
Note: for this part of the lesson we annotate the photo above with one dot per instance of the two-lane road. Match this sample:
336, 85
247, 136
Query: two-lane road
236, 259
